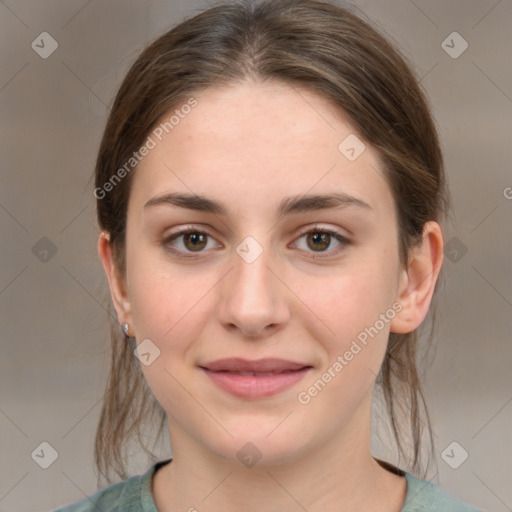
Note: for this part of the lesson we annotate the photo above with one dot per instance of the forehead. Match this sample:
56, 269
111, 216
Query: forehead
252, 144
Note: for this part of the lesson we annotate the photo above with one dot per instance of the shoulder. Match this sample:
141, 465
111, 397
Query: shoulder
424, 496
106, 500
131, 494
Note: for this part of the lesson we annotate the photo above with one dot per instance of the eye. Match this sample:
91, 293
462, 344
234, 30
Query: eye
192, 240
188, 241
321, 239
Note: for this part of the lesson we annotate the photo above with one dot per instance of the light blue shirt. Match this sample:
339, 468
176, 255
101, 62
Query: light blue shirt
134, 495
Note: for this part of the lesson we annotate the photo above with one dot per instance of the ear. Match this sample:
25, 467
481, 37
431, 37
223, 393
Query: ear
418, 280
115, 280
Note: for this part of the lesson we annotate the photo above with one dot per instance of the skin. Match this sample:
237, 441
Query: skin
249, 146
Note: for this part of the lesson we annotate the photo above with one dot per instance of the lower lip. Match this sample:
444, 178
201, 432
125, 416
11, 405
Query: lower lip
254, 386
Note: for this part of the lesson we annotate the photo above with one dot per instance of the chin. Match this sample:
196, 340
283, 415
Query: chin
260, 444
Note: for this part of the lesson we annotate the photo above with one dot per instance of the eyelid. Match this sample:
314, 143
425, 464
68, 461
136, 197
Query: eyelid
323, 229
317, 228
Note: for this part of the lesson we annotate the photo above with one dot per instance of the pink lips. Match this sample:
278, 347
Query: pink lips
255, 379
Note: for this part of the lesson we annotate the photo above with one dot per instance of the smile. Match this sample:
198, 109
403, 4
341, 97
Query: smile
254, 379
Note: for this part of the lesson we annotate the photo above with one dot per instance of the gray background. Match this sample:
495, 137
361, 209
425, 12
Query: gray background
53, 322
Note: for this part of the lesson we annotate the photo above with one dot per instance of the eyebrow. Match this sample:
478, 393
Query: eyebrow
290, 205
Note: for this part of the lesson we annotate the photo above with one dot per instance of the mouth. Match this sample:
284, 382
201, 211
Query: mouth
255, 379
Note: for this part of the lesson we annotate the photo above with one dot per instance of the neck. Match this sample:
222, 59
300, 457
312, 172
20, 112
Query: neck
339, 474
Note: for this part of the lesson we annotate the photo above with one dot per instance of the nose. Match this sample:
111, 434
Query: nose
253, 298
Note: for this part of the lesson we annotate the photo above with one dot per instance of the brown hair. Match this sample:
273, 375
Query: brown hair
312, 44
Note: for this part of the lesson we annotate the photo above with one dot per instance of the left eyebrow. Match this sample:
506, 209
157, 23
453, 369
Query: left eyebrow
290, 205
306, 203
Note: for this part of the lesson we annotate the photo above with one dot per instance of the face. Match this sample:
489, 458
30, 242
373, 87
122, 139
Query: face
313, 282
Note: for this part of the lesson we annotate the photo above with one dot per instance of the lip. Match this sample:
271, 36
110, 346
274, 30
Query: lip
255, 379
237, 364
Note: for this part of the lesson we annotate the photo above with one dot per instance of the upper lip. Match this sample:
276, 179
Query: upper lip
236, 364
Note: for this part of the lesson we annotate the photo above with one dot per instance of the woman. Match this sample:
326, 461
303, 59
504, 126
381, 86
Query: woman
269, 188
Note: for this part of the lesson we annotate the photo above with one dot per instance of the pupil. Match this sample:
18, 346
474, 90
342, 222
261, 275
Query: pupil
194, 238
322, 239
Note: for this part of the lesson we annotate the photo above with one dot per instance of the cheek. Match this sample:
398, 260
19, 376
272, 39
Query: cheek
346, 301
358, 309
351, 315
168, 306
170, 309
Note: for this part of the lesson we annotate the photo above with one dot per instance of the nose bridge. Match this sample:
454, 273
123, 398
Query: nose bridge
251, 279
251, 297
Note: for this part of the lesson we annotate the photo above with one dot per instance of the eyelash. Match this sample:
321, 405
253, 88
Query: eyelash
189, 229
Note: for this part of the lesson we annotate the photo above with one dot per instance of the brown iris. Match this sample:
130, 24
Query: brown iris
197, 240
321, 240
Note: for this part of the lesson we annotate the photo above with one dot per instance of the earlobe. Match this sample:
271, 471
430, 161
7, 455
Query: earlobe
417, 282
115, 280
